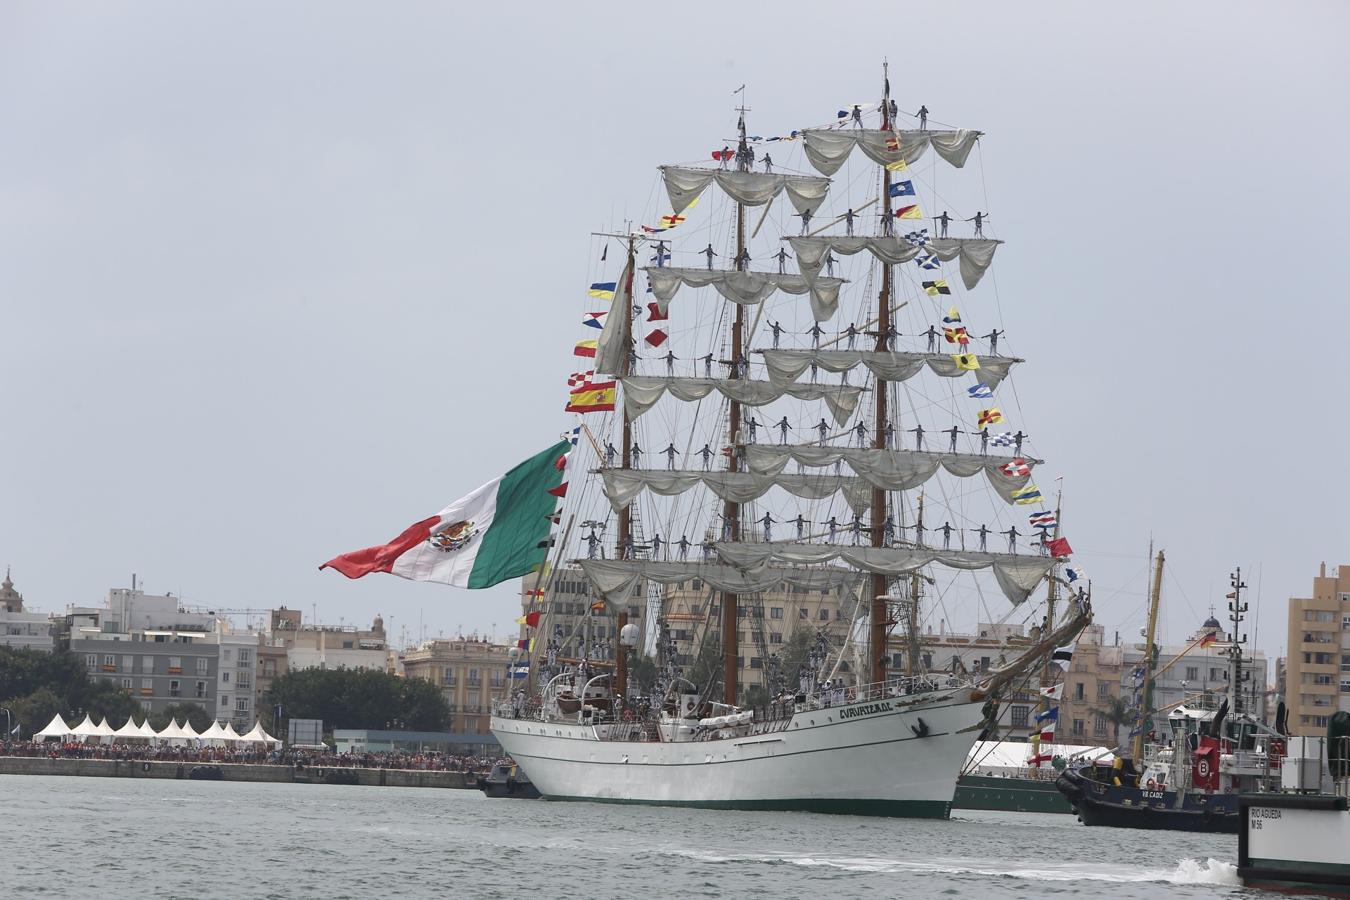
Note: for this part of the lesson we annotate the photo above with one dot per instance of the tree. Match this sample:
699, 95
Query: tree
29, 679
1118, 712
359, 698
642, 671
706, 672
195, 715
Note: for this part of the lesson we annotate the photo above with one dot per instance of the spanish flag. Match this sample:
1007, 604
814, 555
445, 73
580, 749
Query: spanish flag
909, 212
595, 397
966, 362
991, 416
585, 348
933, 288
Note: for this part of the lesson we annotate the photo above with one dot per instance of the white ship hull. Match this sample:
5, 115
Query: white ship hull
867, 758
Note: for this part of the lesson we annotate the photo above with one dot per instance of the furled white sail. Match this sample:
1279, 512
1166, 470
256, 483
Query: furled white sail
611, 350
641, 393
622, 485
616, 578
975, 254
827, 149
890, 470
1016, 574
746, 288
785, 366
683, 184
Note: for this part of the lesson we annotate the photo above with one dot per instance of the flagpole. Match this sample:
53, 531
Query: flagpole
1155, 595
1051, 595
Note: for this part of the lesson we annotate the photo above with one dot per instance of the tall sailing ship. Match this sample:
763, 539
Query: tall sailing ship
902, 398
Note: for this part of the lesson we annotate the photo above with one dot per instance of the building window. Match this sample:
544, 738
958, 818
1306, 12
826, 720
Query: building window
126, 684
201, 690
1078, 727
1103, 690
498, 678
147, 664
1345, 662
147, 685
243, 680
201, 665
269, 668
174, 689
1020, 716
1345, 685
175, 664
633, 612
245, 656
802, 613
756, 662
241, 704
1078, 691
225, 653
91, 661
775, 612
1192, 673
225, 677
473, 678
824, 615
129, 663
110, 662
775, 637
1099, 725
449, 677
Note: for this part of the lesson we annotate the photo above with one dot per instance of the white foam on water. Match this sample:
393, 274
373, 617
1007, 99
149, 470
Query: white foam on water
1187, 871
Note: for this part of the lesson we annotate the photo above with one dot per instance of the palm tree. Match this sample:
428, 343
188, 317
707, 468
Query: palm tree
1118, 712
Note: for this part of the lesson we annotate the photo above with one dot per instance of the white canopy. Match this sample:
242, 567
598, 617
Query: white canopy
145, 730
172, 732
104, 730
56, 728
258, 736
1013, 757
229, 733
188, 731
213, 735
85, 729
129, 730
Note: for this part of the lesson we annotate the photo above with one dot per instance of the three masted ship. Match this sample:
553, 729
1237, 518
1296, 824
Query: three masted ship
894, 743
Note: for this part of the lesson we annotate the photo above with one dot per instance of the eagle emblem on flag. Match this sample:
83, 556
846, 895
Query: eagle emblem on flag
452, 537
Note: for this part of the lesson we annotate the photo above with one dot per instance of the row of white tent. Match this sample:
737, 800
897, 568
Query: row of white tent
173, 733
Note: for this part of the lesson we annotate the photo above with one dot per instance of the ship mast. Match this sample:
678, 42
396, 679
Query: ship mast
1154, 595
880, 610
1051, 595
625, 530
1236, 608
731, 511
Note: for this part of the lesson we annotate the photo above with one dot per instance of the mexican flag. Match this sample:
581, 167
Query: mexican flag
499, 531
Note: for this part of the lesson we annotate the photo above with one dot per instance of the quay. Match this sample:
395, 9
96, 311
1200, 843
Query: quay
224, 771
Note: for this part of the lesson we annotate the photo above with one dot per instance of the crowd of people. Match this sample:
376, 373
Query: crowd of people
423, 761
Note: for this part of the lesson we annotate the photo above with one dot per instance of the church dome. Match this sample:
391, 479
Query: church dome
1212, 622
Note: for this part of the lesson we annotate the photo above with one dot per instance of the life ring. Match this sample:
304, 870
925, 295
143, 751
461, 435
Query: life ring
145, 767
1152, 784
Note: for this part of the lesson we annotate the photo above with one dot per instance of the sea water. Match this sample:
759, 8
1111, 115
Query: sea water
110, 837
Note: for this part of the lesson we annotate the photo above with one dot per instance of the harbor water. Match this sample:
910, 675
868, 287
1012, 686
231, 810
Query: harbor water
109, 838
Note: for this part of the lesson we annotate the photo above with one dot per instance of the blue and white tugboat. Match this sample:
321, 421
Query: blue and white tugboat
1190, 779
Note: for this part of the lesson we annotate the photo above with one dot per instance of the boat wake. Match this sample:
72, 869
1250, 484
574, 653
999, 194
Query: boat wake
1187, 871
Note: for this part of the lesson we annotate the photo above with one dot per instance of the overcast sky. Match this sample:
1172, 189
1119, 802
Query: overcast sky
277, 280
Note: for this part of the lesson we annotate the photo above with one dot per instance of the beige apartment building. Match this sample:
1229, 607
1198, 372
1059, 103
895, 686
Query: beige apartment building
1317, 673
471, 672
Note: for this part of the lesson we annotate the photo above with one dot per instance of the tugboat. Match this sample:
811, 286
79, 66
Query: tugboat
1191, 780
508, 780
1295, 841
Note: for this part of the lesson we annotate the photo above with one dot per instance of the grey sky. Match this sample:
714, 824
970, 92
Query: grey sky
277, 280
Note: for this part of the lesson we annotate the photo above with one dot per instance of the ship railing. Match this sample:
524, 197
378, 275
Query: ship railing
894, 688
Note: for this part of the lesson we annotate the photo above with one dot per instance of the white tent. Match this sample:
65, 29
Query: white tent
215, 735
105, 731
128, 731
172, 732
258, 736
56, 728
145, 730
188, 731
230, 733
85, 729
1013, 758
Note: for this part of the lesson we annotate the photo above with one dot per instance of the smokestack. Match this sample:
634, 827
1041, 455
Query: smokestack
133, 582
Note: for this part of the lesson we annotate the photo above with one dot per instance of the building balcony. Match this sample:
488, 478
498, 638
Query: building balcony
175, 670
147, 692
108, 668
